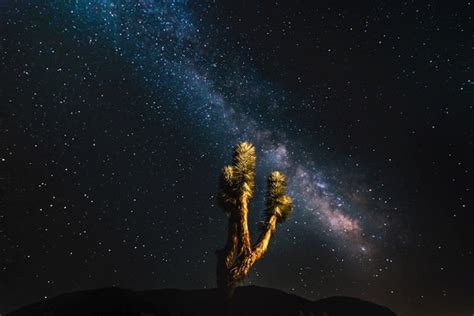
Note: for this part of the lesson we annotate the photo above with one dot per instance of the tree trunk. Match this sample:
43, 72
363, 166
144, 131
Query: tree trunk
244, 263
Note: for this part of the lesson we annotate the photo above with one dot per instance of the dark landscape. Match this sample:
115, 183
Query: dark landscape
248, 300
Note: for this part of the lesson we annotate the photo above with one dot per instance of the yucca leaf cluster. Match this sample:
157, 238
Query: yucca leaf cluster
238, 179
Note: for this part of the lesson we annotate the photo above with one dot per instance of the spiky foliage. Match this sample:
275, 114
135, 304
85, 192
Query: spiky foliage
236, 188
244, 169
227, 199
237, 180
278, 203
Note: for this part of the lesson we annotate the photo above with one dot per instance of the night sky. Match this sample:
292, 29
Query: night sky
117, 117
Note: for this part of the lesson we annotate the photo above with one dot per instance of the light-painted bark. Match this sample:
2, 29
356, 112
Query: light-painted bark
242, 267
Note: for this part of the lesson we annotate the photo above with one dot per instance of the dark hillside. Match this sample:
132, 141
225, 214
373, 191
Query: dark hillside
249, 300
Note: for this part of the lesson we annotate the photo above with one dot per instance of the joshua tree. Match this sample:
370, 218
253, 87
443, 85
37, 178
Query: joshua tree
236, 189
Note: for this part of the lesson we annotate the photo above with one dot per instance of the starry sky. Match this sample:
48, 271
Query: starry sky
117, 117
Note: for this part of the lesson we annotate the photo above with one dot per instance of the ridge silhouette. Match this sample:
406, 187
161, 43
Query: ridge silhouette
247, 300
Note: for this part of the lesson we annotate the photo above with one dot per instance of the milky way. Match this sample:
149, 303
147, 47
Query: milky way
165, 42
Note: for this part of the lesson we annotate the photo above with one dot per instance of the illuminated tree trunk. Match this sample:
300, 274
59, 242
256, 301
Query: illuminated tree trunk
236, 189
240, 270
243, 224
